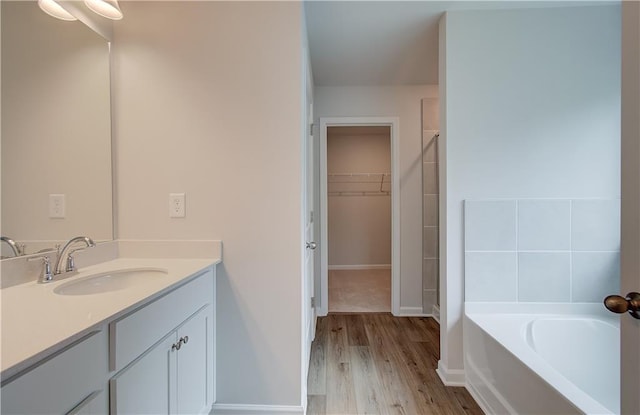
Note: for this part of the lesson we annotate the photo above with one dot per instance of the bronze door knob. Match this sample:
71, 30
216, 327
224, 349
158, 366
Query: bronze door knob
619, 304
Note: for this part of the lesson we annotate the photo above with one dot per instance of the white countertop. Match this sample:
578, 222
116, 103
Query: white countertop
36, 321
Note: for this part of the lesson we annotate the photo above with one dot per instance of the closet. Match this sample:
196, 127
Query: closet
359, 218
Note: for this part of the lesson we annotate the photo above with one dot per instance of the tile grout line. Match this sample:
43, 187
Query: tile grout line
517, 254
570, 251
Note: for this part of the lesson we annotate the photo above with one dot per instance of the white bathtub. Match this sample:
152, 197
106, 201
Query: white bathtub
542, 359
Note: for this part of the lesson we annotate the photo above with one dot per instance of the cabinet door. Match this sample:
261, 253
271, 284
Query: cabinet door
194, 364
95, 403
62, 382
146, 385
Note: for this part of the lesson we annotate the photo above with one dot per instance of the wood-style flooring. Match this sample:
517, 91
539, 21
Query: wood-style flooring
360, 291
380, 364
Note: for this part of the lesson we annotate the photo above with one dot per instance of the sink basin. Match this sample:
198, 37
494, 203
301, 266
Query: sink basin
109, 281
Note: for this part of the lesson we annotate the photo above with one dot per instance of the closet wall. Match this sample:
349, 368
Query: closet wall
359, 201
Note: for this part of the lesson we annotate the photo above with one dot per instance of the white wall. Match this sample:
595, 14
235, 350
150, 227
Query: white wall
530, 101
56, 134
208, 101
359, 226
402, 102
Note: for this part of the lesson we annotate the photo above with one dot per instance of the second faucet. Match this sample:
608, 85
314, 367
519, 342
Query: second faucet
68, 253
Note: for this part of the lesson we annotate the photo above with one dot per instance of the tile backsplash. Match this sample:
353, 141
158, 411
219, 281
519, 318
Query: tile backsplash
542, 250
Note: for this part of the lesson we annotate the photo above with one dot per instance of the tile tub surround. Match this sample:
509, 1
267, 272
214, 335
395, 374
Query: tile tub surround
541, 250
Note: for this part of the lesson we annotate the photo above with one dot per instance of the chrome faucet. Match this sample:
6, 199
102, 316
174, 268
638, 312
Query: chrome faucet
67, 253
14, 247
46, 269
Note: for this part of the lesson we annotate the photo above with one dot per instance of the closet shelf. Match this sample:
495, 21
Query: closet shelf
358, 177
352, 193
359, 184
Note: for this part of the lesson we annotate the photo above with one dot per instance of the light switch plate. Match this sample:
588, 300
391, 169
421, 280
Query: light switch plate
177, 208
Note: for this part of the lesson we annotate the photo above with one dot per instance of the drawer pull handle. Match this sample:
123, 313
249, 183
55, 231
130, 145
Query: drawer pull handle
185, 339
176, 346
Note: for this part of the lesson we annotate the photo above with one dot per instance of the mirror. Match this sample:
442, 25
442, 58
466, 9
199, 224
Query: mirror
56, 130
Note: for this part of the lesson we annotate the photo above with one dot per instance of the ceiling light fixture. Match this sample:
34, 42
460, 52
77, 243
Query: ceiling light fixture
52, 8
105, 8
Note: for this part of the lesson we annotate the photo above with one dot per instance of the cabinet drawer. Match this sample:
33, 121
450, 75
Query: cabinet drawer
61, 383
134, 333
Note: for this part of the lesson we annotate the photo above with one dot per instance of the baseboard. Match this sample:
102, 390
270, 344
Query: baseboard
356, 267
450, 377
412, 312
435, 313
238, 409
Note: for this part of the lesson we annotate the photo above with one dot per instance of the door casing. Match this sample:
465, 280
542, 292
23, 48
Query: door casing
394, 124
630, 212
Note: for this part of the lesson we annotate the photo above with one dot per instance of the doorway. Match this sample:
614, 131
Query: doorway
359, 207
359, 218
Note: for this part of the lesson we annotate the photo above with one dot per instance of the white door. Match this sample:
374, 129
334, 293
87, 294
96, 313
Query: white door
308, 303
310, 244
310, 237
630, 234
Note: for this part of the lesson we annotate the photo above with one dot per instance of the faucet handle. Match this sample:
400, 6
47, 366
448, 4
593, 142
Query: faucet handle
47, 275
71, 261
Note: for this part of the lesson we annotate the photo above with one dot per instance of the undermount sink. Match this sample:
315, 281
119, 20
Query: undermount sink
109, 281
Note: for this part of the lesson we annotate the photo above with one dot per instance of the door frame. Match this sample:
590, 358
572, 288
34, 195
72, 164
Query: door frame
630, 206
394, 123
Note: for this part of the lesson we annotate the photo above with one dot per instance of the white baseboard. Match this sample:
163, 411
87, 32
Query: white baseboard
435, 313
238, 409
450, 377
412, 312
356, 267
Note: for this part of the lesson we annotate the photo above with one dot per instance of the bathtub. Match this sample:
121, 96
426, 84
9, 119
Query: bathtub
542, 359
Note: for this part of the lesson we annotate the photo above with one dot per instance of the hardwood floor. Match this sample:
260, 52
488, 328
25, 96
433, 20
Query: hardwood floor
380, 364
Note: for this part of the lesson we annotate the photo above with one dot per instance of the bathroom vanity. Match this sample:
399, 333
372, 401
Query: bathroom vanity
124, 336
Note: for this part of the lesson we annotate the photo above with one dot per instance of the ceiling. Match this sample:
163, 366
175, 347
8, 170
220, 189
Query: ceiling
386, 42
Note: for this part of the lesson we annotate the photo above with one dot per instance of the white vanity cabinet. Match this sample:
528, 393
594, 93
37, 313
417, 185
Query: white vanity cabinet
170, 378
154, 357
72, 381
163, 354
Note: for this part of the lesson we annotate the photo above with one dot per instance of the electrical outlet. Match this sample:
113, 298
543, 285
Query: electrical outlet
56, 206
177, 208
